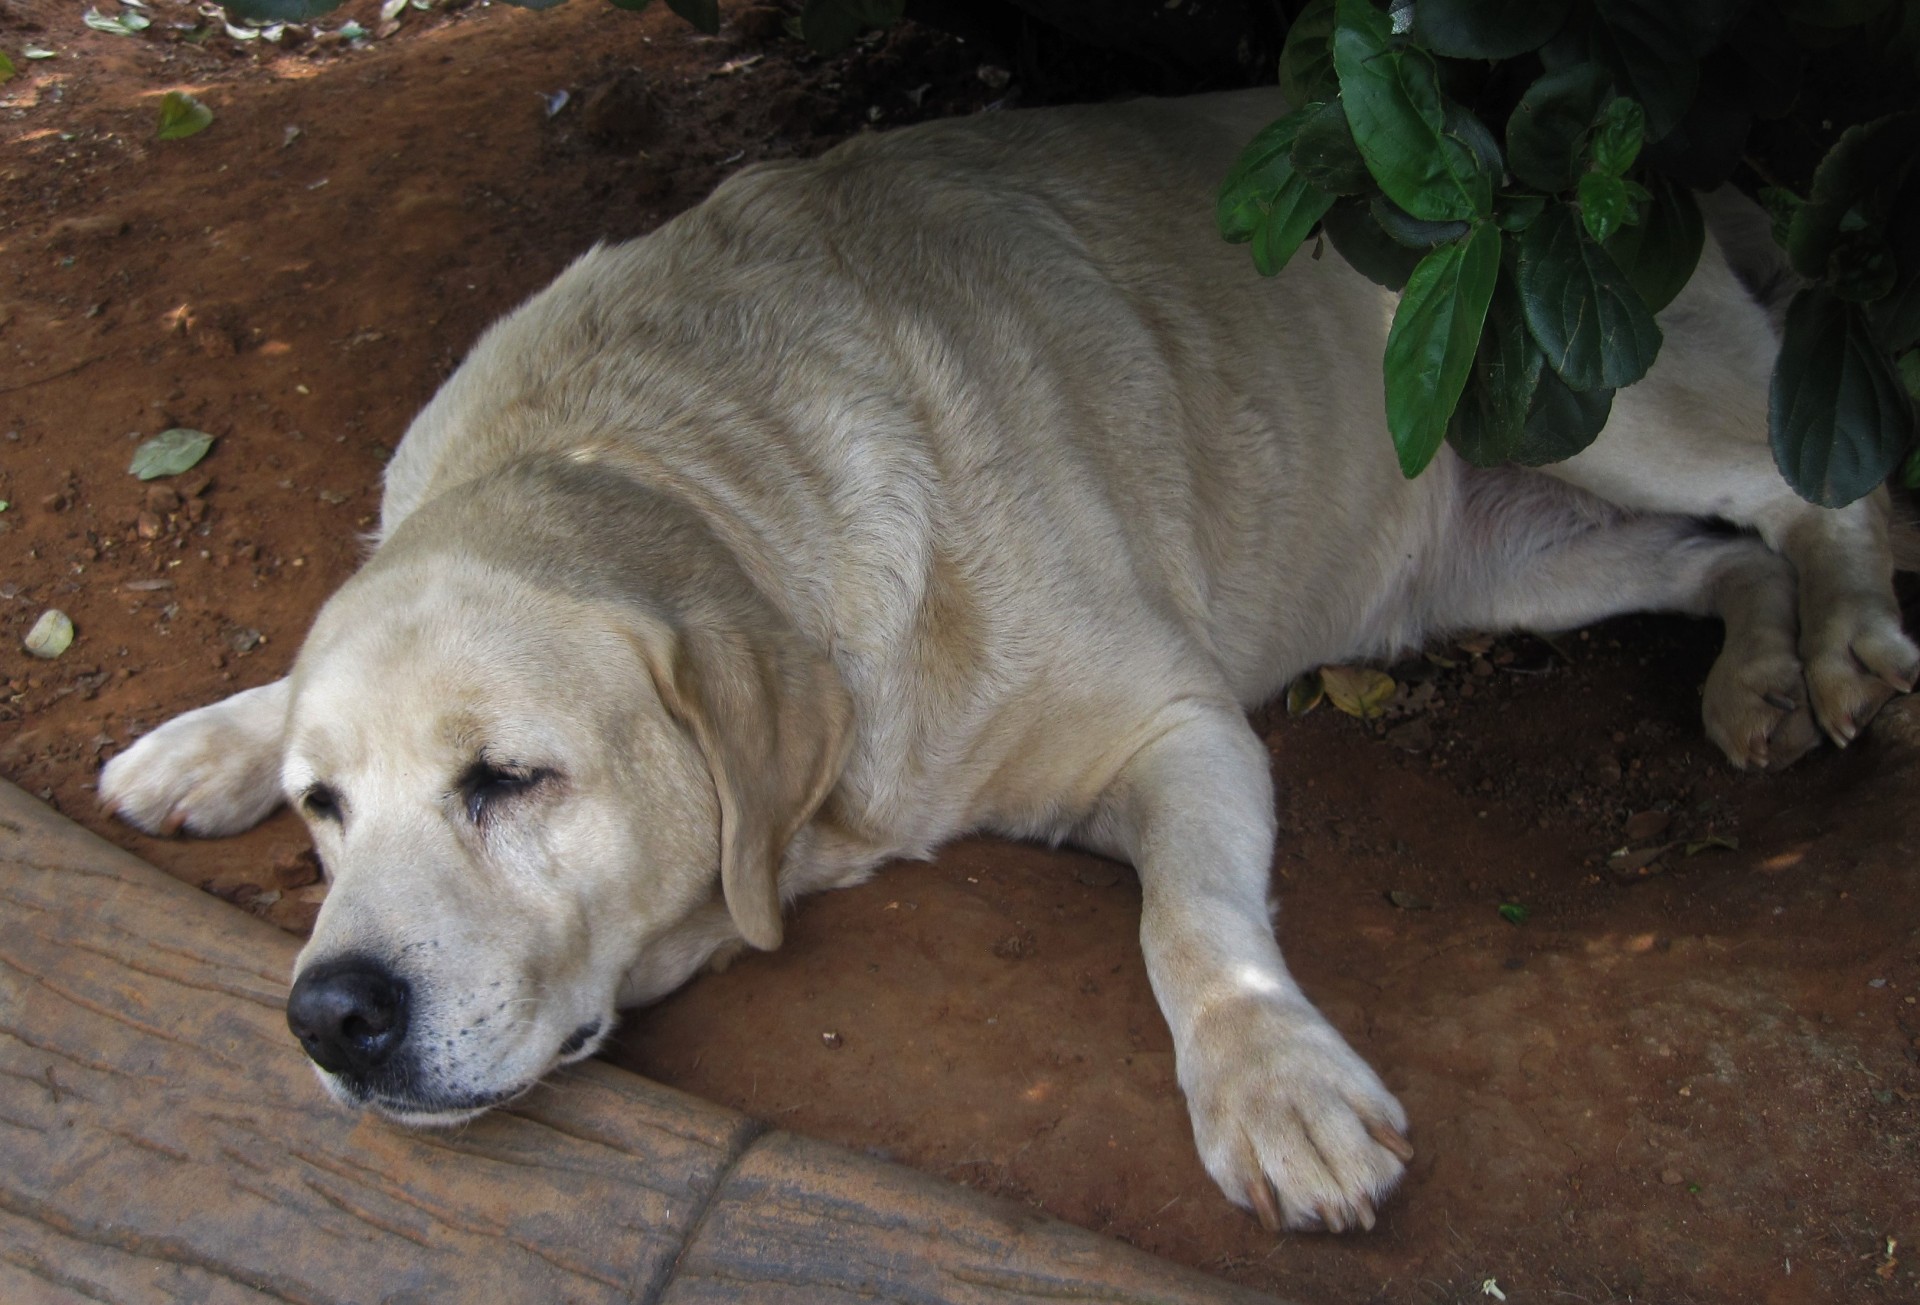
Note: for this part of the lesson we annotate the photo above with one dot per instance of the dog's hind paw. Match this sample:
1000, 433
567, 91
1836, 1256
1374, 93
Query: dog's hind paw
210, 772
1755, 710
1289, 1120
1854, 666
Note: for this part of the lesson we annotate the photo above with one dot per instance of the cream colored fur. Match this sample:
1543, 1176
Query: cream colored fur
960, 480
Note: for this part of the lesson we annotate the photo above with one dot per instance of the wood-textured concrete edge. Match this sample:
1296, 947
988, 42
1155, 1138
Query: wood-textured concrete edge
164, 1139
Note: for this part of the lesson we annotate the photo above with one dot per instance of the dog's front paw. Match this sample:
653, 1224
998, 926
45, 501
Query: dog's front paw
1289, 1120
210, 772
1857, 658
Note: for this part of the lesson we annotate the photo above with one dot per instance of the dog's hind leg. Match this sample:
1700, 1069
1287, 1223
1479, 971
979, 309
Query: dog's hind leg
1535, 554
1691, 439
1287, 1118
210, 772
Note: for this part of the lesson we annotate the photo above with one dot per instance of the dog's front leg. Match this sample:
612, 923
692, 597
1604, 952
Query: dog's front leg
1287, 1118
210, 772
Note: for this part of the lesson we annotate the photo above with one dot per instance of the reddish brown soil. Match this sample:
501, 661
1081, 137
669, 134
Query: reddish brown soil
1693, 1084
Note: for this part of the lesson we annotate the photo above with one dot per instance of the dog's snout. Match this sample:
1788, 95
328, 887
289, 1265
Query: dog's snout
350, 1014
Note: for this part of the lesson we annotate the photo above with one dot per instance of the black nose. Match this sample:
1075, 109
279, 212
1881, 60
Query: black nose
350, 1014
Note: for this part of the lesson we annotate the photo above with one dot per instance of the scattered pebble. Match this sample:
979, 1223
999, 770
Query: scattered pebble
51, 635
831, 1041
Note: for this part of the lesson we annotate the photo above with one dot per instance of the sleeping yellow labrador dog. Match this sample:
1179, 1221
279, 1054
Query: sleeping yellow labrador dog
961, 479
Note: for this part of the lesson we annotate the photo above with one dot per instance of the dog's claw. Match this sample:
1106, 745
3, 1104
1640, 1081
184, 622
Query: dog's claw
1260, 1196
1392, 1139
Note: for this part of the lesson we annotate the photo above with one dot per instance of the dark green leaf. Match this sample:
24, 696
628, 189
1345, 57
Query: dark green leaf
1705, 147
704, 15
1560, 422
1861, 266
1431, 345
277, 11
1782, 206
181, 116
1517, 212
1832, 13
1548, 129
1263, 167
1514, 912
1853, 189
1617, 136
1399, 118
830, 26
1604, 204
1411, 231
1659, 253
1492, 416
1466, 128
1838, 417
6, 68
1324, 153
1487, 29
1654, 47
1772, 65
1585, 314
1306, 61
1359, 239
1298, 205
1896, 318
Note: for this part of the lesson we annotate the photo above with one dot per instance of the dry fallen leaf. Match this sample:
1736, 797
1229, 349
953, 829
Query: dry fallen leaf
1358, 690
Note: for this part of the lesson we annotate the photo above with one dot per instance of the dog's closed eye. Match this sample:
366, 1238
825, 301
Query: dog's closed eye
487, 786
322, 803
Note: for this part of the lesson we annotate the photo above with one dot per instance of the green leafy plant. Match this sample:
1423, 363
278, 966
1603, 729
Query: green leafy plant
1522, 171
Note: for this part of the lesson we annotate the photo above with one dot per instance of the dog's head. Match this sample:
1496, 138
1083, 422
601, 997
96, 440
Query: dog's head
552, 745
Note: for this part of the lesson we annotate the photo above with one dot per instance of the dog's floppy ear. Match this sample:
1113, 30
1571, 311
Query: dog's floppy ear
773, 721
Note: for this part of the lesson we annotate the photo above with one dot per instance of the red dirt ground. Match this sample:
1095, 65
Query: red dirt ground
1696, 1083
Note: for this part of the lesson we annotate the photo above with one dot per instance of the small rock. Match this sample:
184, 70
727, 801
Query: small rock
162, 499
148, 525
1672, 1177
1643, 826
832, 1041
244, 641
1414, 736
